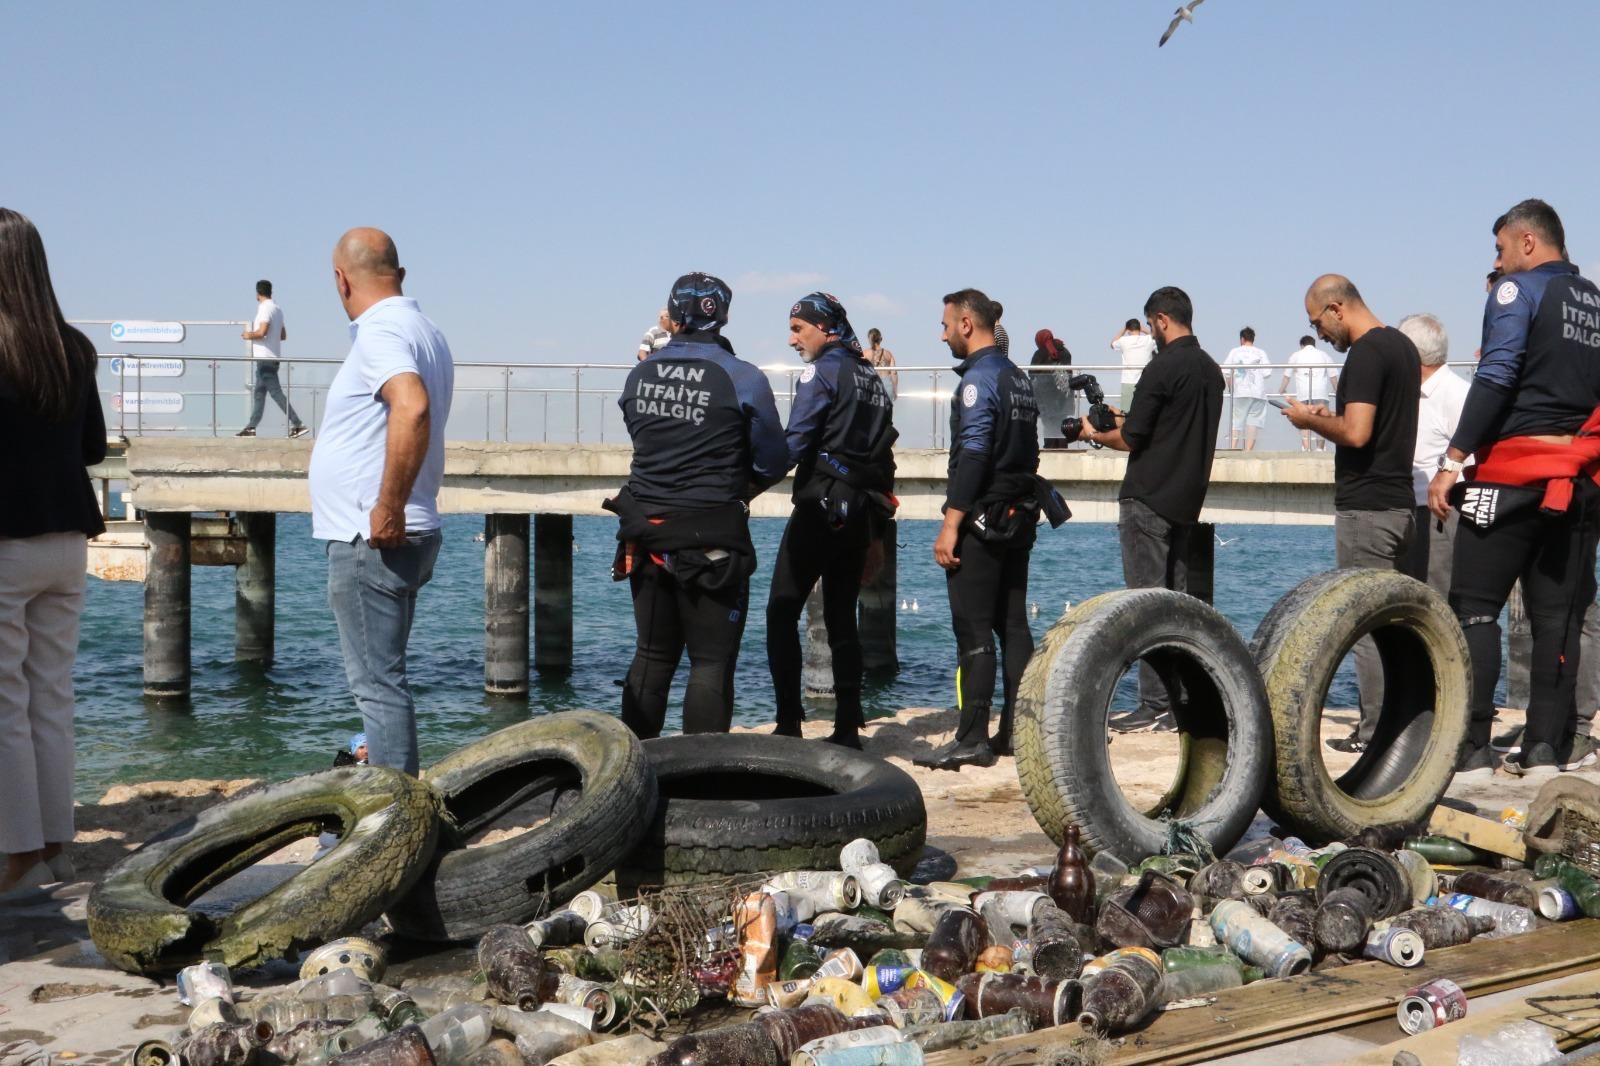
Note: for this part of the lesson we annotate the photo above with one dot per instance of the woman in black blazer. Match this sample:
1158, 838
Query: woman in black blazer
51, 427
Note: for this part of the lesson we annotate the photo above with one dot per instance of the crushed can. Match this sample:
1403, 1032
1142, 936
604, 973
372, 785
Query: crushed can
1429, 1006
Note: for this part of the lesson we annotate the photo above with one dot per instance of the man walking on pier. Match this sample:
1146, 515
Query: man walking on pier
375, 475
266, 336
1374, 434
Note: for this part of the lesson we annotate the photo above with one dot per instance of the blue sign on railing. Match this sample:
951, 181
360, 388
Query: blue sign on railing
138, 331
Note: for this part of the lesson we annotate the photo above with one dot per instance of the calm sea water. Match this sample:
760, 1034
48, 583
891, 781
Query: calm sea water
289, 718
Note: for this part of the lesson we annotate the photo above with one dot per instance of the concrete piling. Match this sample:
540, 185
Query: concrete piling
166, 606
552, 593
255, 595
816, 660
876, 615
505, 604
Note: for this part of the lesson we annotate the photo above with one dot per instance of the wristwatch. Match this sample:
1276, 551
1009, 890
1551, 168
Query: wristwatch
1451, 465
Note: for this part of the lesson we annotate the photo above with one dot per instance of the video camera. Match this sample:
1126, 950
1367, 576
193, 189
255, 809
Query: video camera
1099, 415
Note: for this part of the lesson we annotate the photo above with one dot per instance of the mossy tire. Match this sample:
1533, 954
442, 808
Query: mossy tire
1427, 671
1224, 736
140, 916
739, 804
601, 796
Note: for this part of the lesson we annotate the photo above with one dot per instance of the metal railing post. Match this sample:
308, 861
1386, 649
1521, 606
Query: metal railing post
122, 397
505, 405
214, 365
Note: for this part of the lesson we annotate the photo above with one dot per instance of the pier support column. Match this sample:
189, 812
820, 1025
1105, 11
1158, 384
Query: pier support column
1202, 561
876, 615
816, 660
166, 606
505, 604
1519, 650
552, 593
254, 597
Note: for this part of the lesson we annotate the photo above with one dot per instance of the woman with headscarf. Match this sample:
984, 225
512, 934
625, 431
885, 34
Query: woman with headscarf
1051, 389
51, 428
840, 438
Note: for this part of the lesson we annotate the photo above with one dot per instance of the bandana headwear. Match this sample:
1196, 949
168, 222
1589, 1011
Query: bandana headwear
824, 311
699, 302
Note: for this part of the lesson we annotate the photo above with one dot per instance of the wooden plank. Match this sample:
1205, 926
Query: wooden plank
1569, 1010
1269, 1012
1481, 833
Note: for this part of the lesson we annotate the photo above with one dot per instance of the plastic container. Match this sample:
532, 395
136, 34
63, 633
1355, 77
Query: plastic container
1509, 920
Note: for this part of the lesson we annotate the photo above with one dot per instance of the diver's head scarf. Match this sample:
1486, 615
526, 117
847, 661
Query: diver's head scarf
699, 302
824, 311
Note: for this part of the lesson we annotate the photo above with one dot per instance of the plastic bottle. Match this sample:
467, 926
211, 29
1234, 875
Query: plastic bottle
1120, 996
457, 1033
1343, 921
954, 943
1494, 887
734, 1045
1255, 939
1509, 920
513, 966
340, 982
284, 1014
1518, 1044
936, 1036
1442, 927
213, 1010
1057, 950
1199, 981
756, 918
1071, 882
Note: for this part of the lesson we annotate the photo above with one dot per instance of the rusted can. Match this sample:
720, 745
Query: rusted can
1431, 1005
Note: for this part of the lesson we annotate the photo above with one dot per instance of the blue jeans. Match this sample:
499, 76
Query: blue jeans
373, 593
266, 384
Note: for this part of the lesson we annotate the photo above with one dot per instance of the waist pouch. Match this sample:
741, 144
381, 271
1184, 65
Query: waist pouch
1484, 503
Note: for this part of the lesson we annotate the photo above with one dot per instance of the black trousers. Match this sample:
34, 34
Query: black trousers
1155, 554
1554, 556
813, 549
989, 598
670, 617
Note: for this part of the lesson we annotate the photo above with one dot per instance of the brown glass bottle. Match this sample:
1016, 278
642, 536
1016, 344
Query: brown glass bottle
513, 966
953, 946
1045, 1003
734, 1045
405, 1046
1495, 887
1057, 948
1071, 882
788, 1029
1442, 927
1118, 997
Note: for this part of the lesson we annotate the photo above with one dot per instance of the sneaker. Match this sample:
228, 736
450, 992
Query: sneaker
1509, 742
1350, 745
1538, 760
1475, 760
1580, 754
954, 756
247, 431
1142, 719
297, 431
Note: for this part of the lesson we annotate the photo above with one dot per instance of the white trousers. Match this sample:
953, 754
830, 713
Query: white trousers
41, 596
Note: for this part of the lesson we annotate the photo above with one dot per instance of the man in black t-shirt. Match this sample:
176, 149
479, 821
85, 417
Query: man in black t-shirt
1172, 437
1374, 434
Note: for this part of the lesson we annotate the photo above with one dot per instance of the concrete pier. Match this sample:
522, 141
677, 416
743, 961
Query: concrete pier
255, 593
166, 606
552, 593
505, 604
876, 614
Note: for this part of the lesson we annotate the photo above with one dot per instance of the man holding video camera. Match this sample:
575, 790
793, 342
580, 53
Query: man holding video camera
1171, 438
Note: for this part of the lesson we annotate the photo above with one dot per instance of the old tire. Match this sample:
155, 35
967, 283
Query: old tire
1225, 738
140, 916
740, 804
607, 798
1427, 692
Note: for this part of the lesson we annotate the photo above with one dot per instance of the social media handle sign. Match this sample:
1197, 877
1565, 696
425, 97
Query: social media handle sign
139, 331
129, 366
149, 403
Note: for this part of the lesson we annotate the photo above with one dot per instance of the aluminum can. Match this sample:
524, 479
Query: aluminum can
1397, 947
1429, 1006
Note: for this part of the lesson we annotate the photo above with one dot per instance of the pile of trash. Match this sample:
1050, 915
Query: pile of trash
856, 965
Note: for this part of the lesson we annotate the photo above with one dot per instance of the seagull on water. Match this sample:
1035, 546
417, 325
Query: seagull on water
1224, 543
1183, 14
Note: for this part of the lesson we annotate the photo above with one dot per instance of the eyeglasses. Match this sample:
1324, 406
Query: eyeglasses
1316, 318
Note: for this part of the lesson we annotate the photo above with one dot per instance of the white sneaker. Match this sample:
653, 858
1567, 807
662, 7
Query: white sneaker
37, 876
61, 866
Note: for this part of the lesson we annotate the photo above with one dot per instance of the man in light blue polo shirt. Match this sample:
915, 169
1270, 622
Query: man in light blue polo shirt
375, 474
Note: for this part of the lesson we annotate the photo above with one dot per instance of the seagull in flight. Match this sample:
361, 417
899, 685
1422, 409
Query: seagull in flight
1183, 14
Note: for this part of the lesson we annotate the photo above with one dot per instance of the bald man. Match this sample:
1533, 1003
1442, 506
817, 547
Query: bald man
375, 474
1374, 433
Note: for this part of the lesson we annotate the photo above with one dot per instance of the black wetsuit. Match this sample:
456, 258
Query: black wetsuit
1539, 376
706, 438
840, 441
994, 456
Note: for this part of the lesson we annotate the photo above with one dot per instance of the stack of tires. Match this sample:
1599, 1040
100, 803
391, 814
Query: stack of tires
1248, 717
671, 810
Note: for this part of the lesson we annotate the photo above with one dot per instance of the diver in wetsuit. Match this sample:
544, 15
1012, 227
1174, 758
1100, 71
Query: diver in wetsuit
706, 439
840, 441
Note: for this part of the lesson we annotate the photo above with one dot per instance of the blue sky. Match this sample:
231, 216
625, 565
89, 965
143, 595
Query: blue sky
547, 170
